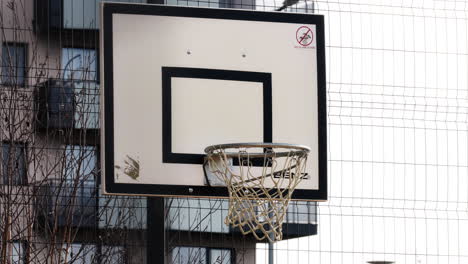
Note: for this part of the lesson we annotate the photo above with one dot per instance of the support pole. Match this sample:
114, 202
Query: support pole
156, 247
271, 256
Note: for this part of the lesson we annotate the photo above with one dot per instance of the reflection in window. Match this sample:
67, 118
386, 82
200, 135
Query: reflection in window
80, 164
13, 64
189, 255
18, 253
79, 253
201, 215
80, 176
122, 211
80, 67
200, 255
220, 256
84, 14
79, 64
207, 215
13, 164
113, 254
301, 212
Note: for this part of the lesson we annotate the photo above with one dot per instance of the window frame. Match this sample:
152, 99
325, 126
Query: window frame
15, 45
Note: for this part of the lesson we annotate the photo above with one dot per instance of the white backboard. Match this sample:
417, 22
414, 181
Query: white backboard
178, 79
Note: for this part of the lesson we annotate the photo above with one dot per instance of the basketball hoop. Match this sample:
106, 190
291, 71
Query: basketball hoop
261, 178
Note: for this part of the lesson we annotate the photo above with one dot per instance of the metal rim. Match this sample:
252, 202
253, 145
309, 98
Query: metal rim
295, 149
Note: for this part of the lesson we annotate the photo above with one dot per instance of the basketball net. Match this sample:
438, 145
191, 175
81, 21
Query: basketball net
260, 184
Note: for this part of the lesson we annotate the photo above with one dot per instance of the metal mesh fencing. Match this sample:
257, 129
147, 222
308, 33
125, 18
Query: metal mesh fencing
397, 90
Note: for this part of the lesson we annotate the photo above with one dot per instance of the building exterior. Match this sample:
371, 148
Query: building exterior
51, 206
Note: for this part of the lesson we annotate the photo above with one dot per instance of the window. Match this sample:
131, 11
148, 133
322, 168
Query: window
81, 163
13, 164
201, 215
294, 7
183, 255
199, 255
197, 3
300, 212
80, 176
79, 253
13, 64
122, 211
84, 14
80, 66
16, 252
113, 254
220, 256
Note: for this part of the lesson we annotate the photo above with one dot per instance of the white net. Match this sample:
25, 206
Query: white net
261, 179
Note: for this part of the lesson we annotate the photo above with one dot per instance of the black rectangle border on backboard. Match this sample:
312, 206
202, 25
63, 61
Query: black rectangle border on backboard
108, 9
212, 74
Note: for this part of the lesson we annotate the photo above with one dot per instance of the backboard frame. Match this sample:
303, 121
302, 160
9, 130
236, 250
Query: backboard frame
110, 186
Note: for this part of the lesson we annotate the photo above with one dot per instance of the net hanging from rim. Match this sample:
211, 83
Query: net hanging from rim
261, 178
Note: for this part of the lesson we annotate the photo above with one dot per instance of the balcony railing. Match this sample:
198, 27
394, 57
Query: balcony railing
207, 215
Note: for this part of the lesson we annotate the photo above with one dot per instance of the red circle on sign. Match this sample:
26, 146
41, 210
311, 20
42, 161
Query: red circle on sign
304, 36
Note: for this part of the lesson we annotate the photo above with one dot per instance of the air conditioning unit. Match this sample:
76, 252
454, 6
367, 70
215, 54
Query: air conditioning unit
56, 104
66, 204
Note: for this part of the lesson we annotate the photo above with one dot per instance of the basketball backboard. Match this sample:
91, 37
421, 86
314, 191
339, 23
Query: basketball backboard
177, 79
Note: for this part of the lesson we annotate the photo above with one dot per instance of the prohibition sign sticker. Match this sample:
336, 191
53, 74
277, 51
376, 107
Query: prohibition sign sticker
304, 36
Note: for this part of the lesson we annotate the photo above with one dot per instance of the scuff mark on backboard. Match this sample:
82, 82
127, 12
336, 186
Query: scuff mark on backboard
131, 168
